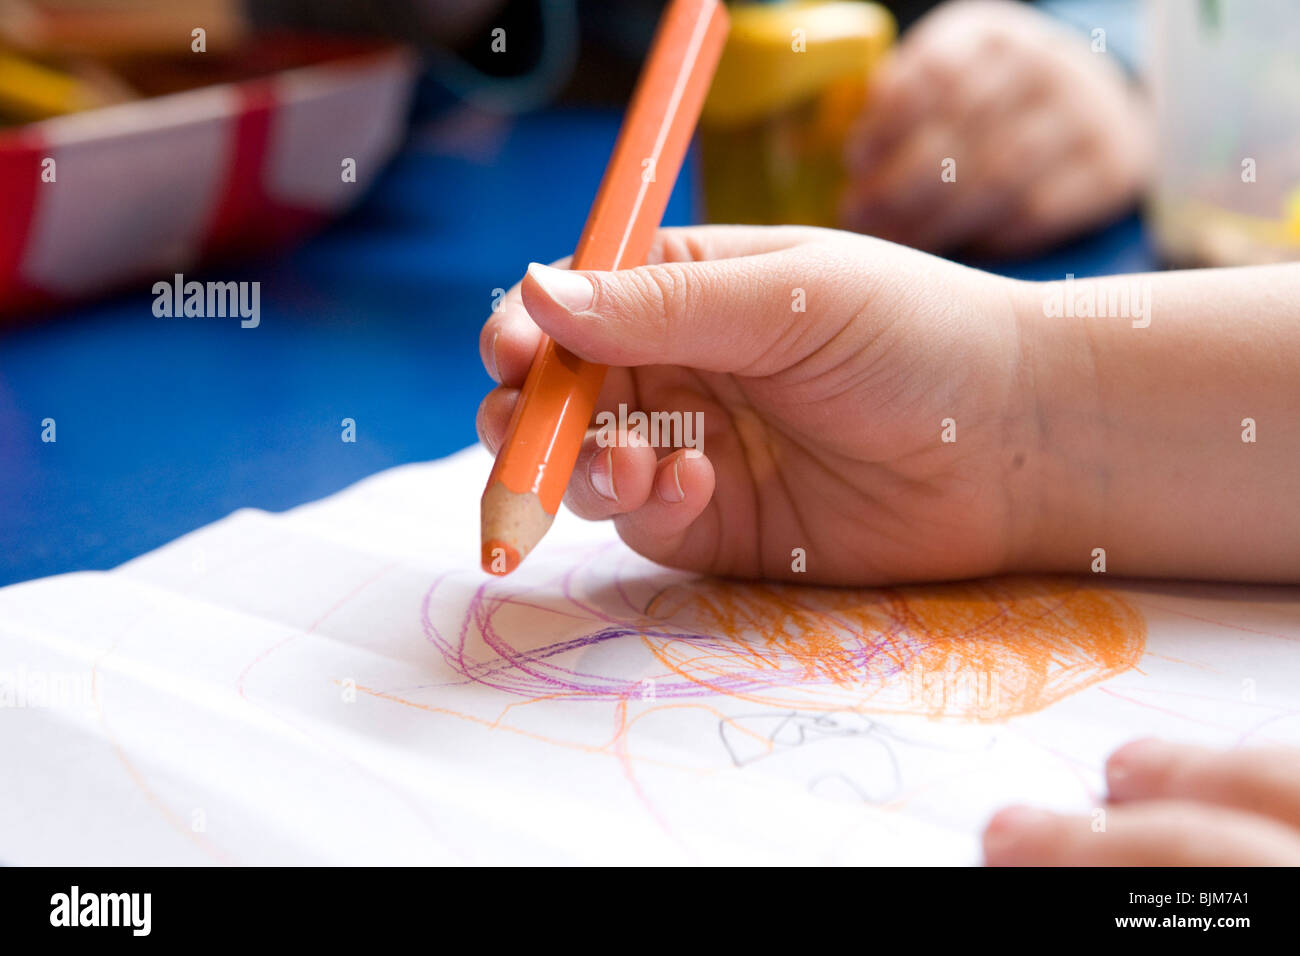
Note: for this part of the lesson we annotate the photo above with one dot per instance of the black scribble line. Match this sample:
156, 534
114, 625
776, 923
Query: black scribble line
853, 785
811, 727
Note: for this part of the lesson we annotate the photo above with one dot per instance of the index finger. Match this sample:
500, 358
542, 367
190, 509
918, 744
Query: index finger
1264, 781
508, 339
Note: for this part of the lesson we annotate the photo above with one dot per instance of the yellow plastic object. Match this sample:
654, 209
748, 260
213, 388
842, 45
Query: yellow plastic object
30, 91
1224, 78
1293, 211
793, 78
1194, 232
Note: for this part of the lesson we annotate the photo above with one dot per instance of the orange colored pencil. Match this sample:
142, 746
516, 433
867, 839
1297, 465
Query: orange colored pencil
555, 406
549, 423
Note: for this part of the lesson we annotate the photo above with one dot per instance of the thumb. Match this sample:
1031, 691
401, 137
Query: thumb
723, 315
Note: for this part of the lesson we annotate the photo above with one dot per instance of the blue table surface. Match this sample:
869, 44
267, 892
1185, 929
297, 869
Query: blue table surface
164, 425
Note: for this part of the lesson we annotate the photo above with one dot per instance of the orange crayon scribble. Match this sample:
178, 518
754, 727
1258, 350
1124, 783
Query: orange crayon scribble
984, 650
138, 777
615, 746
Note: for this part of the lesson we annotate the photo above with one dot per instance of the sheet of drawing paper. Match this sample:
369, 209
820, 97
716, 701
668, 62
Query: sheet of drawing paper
341, 683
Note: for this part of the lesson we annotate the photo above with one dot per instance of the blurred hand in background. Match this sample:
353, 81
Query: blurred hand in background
1047, 137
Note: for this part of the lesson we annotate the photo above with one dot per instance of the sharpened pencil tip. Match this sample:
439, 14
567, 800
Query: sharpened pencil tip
499, 558
511, 526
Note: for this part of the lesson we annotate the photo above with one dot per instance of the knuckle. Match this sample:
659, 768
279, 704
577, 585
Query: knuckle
938, 71
665, 292
675, 245
996, 42
1044, 74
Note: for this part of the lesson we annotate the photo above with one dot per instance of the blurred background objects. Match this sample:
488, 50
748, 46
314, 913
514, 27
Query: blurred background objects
384, 170
1225, 78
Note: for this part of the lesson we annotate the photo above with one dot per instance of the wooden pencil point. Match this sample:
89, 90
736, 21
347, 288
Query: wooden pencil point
511, 524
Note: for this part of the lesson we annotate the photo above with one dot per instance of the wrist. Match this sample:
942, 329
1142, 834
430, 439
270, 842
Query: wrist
1056, 473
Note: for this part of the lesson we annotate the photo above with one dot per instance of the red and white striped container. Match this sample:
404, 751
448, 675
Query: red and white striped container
156, 186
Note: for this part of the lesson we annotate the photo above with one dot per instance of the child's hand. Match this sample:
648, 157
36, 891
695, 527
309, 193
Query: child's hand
1046, 136
833, 372
823, 428
1170, 805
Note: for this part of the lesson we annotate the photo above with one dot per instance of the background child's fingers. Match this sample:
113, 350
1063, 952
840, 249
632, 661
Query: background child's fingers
664, 529
610, 480
995, 176
1160, 833
996, 92
903, 94
494, 415
1261, 781
919, 81
903, 185
1071, 194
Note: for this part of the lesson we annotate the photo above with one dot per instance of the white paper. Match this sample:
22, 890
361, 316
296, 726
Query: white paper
341, 684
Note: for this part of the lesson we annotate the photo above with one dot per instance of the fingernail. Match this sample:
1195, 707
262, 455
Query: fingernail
1124, 763
1006, 831
670, 485
1017, 819
601, 474
494, 369
482, 431
569, 290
